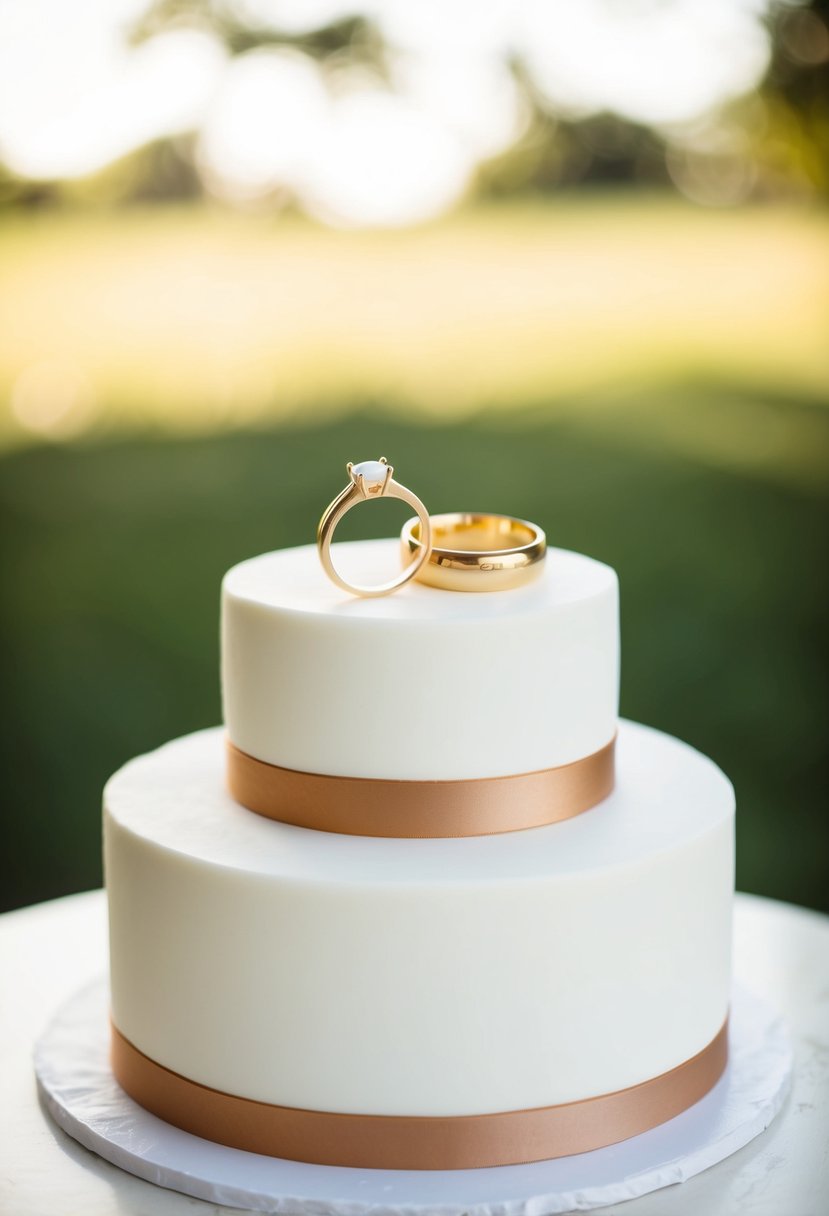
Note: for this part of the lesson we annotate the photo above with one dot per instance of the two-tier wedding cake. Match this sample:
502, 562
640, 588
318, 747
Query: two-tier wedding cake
424, 902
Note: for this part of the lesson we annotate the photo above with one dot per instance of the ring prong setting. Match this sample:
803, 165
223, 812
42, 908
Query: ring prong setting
371, 476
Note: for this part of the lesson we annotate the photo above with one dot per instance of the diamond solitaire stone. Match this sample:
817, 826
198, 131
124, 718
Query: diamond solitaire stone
373, 473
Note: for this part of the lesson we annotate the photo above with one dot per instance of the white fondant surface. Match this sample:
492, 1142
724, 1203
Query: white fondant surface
420, 977
423, 684
75, 1079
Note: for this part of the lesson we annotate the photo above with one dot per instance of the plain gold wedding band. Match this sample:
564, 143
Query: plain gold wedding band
476, 551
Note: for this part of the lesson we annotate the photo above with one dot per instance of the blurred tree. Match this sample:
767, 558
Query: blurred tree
775, 140
769, 143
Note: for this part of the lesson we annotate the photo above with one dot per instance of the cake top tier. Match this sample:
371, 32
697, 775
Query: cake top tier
292, 580
425, 684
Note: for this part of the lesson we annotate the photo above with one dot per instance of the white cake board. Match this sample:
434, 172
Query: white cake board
77, 1086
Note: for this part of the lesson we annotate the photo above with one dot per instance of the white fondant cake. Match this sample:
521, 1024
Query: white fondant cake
420, 977
424, 684
429, 978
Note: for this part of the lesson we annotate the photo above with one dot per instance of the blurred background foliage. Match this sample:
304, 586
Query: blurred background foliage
564, 261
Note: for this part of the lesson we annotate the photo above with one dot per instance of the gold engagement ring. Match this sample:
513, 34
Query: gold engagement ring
372, 479
468, 551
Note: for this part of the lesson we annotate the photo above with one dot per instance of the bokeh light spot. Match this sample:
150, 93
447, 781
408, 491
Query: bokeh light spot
53, 398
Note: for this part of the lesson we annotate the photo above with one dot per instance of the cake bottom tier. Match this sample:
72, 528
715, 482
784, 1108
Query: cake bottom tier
419, 1003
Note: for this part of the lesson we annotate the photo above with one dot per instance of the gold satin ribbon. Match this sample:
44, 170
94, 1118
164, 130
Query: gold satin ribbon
398, 1142
358, 806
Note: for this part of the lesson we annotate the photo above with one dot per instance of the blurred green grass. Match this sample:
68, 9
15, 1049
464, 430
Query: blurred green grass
113, 551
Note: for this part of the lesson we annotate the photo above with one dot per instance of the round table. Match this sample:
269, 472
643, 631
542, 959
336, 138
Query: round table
48, 951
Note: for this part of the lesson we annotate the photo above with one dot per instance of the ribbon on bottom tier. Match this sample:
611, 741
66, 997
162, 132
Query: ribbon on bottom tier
419, 1142
358, 806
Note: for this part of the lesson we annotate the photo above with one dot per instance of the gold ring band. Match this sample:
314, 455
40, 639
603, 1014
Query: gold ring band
371, 479
472, 551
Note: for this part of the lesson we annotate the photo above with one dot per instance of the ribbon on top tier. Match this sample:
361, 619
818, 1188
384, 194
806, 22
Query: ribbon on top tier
361, 806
